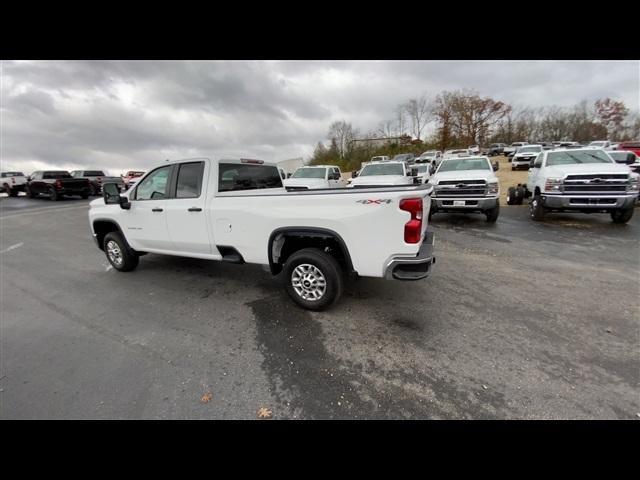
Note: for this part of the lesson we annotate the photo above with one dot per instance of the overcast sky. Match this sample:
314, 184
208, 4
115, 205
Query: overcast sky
130, 115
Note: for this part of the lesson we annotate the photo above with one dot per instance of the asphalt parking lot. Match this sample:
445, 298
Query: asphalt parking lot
518, 320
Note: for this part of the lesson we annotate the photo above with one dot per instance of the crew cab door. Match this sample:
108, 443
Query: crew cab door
186, 215
145, 223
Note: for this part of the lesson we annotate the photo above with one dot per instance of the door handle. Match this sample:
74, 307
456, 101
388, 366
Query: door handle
156, 209
195, 209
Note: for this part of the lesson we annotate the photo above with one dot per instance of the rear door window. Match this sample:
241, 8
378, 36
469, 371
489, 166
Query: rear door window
189, 184
238, 176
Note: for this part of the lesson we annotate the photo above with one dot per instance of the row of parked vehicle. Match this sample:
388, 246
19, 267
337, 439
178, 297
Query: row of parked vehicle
56, 184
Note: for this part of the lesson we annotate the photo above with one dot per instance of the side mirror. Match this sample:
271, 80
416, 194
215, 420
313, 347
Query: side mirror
288, 175
111, 195
432, 169
496, 166
631, 159
354, 174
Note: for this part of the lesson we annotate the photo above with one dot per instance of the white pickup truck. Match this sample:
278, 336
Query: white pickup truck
375, 174
466, 185
12, 183
238, 211
584, 180
317, 176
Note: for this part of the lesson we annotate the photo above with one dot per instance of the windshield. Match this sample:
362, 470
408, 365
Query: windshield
529, 149
12, 174
52, 175
94, 173
464, 164
422, 169
309, 173
597, 144
402, 156
382, 169
429, 153
576, 157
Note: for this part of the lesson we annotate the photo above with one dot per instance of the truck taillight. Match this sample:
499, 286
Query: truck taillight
58, 183
413, 228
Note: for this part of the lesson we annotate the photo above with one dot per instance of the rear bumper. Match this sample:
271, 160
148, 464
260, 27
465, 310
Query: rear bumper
582, 202
413, 268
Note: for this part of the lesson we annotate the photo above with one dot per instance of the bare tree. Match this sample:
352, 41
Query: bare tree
419, 112
400, 120
343, 134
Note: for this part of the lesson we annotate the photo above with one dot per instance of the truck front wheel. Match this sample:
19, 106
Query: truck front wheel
118, 252
536, 210
313, 278
492, 214
622, 215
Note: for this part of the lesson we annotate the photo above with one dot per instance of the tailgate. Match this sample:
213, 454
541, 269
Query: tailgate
74, 183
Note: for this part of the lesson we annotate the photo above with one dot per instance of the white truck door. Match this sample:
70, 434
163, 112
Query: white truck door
186, 214
145, 222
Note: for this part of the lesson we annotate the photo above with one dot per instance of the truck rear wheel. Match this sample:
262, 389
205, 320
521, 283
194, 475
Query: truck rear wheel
13, 192
120, 255
622, 215
313, 278
519, 195
536, 210
511, 196
55, 196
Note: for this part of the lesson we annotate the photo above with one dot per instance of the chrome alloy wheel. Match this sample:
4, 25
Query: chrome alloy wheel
308, 282
114, 252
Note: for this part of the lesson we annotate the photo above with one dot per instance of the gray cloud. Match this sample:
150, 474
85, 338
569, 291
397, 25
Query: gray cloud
119, 115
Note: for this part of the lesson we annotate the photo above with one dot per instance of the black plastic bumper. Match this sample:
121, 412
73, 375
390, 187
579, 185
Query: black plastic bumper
413, 268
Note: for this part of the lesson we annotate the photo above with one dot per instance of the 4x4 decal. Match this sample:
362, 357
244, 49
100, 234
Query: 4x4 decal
375, 202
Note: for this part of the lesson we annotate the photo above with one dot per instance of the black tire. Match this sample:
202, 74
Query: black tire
622, 215
513, 169
519, 195
119, 254
84, 196
511, 196
30, 193
92, 190
53, 195
492, 214
13, 192
536, 210
319, 265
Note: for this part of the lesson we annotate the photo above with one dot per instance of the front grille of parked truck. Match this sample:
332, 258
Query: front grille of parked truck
604, 184
461, 188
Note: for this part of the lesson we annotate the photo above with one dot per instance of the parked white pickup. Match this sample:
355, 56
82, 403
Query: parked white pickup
376, 174
317, 176
12, 183
584, 180
238, 211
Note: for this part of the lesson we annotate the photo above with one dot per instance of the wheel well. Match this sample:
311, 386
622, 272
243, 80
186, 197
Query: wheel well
102, 227
284, 242
536, 191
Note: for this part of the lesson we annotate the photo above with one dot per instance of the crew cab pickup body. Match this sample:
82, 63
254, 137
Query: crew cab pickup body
466, 185
12, 183
238, 211
376, 174
317, 176
56, 184
96, 179
584, 180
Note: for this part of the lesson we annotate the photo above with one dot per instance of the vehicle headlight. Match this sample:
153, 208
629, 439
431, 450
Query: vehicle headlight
634, 184
494, 188
553, 185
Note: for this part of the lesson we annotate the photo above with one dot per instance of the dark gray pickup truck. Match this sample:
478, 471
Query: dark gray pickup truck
96, 179
56, 184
